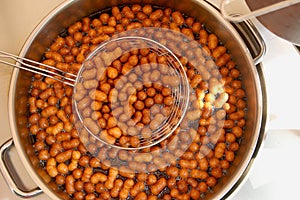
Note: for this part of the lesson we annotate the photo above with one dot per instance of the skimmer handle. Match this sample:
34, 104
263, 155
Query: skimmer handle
37, 67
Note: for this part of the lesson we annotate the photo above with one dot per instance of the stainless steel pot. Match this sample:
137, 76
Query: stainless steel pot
71, 11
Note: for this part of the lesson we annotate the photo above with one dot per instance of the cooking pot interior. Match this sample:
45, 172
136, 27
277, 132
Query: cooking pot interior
71, 11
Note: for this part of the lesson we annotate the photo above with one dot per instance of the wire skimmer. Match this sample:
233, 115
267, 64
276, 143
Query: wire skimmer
124, 44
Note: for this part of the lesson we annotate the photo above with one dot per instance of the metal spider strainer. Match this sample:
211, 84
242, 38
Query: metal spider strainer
110, 115
89, 101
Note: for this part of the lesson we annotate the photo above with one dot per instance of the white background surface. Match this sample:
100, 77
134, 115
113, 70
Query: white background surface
276, 173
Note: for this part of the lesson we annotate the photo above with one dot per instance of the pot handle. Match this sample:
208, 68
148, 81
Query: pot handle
7, 174
253, 39
228, 13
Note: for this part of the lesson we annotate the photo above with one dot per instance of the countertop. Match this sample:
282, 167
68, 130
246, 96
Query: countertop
276, 171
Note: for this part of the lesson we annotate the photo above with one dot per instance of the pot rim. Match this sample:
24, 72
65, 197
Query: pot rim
11, 106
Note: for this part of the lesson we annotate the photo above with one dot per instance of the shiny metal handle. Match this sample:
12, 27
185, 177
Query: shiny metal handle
33, 66
226, 5
253, 40
7, 173
251, 36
